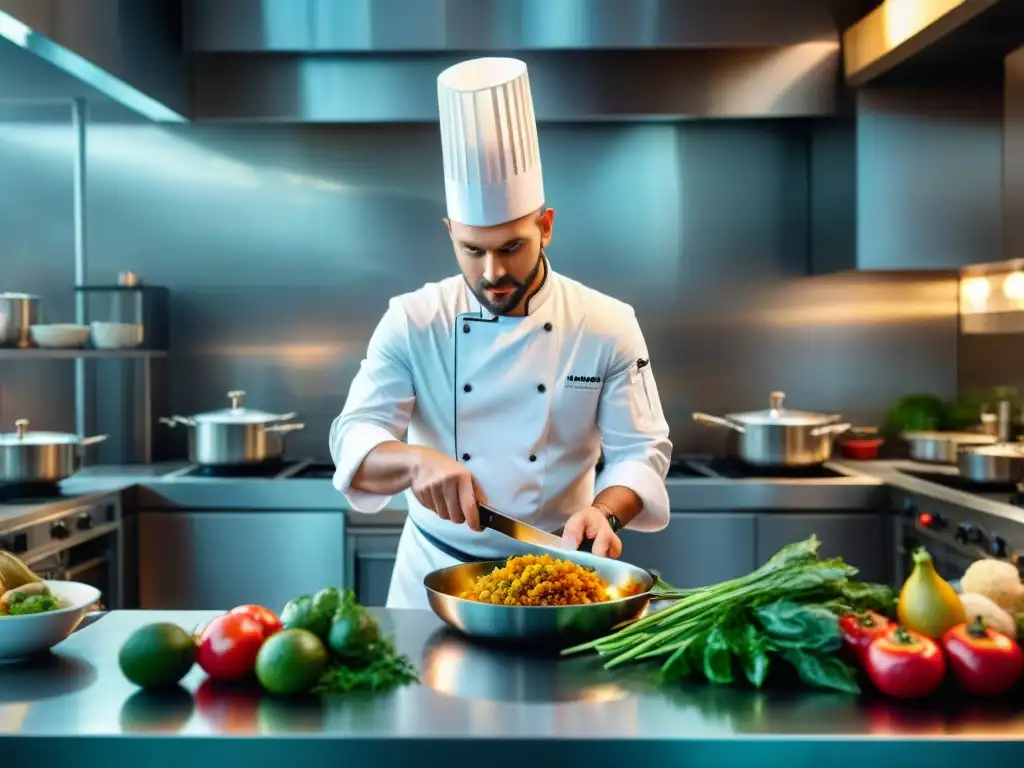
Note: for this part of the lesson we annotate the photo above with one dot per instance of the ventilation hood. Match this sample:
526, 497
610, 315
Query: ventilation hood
377, 60
122, 55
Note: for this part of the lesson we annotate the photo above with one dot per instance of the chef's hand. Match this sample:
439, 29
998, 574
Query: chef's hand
446, 487
591, 523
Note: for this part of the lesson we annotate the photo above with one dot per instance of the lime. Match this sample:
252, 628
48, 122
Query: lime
157, 655
291, 661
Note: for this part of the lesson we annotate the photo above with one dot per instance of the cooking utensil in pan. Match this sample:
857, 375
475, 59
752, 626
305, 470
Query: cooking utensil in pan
997, 463
778, 436
942, 447
520, 531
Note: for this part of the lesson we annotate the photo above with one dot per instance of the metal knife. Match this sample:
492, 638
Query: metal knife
520, 531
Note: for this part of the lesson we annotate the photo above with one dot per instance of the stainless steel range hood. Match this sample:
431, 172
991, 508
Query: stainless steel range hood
377, 60
120, 51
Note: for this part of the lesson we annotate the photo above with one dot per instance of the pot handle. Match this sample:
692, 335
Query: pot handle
174, 421
717, 421
91, 440
287, 416
830, 429
281, 429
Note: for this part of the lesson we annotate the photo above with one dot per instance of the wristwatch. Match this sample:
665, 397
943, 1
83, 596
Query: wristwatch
613, 521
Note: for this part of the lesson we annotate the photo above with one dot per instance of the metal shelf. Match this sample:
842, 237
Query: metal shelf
78, 354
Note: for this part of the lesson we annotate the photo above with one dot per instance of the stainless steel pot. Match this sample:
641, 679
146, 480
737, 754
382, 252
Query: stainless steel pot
18, 312
235, 435
40, 457
998, 463
779, 437
943, 447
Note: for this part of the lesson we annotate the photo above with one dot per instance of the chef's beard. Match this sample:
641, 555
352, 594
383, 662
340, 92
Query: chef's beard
508, 304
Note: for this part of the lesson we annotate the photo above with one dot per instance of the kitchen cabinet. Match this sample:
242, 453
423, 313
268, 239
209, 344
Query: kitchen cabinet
862, 539
215, 560
370, 560
696, 549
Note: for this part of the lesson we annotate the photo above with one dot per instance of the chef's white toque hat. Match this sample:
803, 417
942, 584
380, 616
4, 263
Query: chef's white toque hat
492, 170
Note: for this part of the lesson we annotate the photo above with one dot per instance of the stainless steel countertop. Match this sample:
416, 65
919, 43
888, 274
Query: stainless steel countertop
158, 491
70, 700
863, 486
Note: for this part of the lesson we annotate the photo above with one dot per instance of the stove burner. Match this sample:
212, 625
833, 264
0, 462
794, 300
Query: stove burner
20, 493
266, 469
737, 469
960, 483
316, 472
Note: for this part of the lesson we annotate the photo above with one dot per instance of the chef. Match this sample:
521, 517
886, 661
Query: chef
502, 384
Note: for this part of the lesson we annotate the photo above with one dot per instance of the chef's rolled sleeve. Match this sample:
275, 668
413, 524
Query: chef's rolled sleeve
634, 432
378, 408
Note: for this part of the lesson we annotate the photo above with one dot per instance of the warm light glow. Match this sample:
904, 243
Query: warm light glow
1013, 286
975, 290
895, 22
905, 18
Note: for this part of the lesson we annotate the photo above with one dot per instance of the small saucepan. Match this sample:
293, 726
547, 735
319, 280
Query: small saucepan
236, 435
40, 457
779, 437
996, 463
943, 447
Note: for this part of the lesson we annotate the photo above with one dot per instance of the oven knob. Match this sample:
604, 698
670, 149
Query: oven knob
59, 530
997, 546
931, 520
970, 533
961, 534
84, 522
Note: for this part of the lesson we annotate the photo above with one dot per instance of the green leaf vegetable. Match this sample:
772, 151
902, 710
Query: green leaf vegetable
786, 610
362, 658
24, 605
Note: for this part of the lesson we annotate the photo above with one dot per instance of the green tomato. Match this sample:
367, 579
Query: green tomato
353, 632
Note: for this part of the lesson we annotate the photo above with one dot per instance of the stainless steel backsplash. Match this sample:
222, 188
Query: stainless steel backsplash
281, 245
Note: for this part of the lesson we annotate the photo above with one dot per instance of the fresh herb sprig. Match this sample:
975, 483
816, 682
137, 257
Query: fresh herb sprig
385, 669
787, 609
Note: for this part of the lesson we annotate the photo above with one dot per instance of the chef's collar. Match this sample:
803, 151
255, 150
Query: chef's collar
533, 301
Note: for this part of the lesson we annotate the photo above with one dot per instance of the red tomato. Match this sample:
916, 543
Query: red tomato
271, 623
983, 661
228, 646
860, 629
905, 664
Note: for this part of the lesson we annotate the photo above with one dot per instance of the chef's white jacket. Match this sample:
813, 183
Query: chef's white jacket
526, 403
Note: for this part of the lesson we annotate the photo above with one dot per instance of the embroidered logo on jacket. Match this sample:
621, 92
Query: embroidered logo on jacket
582, 382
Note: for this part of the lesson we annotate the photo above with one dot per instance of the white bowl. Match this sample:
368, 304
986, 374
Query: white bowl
59, 335
116, 335
22, 636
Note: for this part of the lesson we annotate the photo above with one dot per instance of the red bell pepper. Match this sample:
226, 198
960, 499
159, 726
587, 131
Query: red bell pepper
984, 662
904, 664
859, 629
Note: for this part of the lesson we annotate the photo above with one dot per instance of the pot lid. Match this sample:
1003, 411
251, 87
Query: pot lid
23, 437
1004, 450
238, 414
777, 414
960, 438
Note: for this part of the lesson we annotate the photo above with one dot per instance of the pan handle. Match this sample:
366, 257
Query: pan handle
92, 440
284, 428
716, 421
174, 421
830, 429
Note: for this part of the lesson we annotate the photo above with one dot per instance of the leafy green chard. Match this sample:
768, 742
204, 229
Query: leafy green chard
787, 610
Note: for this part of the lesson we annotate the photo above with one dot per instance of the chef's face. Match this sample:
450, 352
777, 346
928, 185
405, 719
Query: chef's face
503, 264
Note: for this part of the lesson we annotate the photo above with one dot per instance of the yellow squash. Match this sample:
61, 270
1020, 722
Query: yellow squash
928, 604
